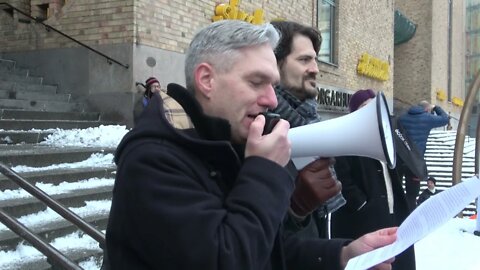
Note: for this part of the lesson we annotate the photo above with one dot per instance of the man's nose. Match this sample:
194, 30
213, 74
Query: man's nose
268, 98
313, 67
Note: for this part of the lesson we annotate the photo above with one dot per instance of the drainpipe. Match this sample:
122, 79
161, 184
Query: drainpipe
449, 65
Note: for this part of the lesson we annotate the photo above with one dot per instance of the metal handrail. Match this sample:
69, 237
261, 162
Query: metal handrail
54, 256
477, 148
48, 28
462, 128
54, 205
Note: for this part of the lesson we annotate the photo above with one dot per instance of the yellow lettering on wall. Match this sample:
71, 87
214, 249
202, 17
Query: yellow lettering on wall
457, 101
373, 67
441, 95
231, 11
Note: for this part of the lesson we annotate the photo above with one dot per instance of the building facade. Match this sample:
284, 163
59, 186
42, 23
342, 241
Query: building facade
472, 57
149, 38
431, 65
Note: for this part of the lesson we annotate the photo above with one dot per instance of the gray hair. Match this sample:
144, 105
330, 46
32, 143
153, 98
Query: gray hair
218, 44
425, 104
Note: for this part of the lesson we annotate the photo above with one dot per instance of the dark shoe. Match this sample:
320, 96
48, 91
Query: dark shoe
477, 233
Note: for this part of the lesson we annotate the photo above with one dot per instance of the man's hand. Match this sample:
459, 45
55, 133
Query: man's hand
316, 183
367, 243
274, 146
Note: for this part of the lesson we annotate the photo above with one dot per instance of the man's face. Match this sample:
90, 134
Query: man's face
155, 88
240, 94
299, 69
430, 184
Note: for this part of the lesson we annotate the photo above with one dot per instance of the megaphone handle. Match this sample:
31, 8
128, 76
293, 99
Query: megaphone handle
271, 119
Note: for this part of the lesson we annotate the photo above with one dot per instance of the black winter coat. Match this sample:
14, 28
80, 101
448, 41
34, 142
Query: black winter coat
363, 181
188, 200
425, 195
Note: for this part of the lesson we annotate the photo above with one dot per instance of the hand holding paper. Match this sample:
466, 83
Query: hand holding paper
426, 218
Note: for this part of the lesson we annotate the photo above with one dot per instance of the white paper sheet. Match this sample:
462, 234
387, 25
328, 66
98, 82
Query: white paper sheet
426, 218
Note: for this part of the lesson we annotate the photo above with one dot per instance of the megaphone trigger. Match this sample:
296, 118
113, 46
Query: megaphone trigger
271, 119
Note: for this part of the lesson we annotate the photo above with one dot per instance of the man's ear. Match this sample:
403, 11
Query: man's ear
204, 79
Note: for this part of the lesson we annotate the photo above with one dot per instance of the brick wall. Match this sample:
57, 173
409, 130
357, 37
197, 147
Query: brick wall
421, 64
458, 57
92, 22
170, 25
164, 28
363, 27
164, 24
413, 58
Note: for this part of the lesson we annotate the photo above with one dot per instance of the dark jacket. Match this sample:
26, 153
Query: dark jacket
300, 113
426, 194
138, 107
418, 123
188, 200
366, 210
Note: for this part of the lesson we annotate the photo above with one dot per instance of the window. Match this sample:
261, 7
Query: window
326, 25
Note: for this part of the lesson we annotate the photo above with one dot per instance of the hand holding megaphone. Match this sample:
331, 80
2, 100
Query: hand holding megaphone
274, 146
315, 185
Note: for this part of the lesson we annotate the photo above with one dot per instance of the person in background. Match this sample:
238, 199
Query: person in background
214, 196
429, 191
374, 194
417, 122
152, 85
477, 227
296, 93
173, 111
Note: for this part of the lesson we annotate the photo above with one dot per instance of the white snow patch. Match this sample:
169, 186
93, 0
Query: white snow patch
94, 161
102, 136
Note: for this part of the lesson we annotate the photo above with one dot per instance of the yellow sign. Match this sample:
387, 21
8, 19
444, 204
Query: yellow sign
441, 95
373, 67
457, 101
231, 11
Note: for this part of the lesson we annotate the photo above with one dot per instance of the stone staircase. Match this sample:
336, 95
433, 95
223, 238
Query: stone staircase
29, 112
439, 158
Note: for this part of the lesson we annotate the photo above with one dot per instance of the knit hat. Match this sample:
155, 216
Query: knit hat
359, 97
432, 179
150, 81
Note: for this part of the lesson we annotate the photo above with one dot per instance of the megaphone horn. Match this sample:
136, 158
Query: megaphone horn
366, 132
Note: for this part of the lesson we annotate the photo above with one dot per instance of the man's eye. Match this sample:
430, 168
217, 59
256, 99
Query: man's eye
256, 83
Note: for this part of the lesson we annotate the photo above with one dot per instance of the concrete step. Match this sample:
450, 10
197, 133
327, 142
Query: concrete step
49, 124
15, 71
48, 115
41, 105
58, 176
447, 160
7, 65
75, 253
11, 77
51, 230
431, 163
23, 86
78, 254
16, 137
25, 206
29, 95
44, 155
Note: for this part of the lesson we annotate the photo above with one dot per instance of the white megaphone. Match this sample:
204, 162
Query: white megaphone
366, 132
